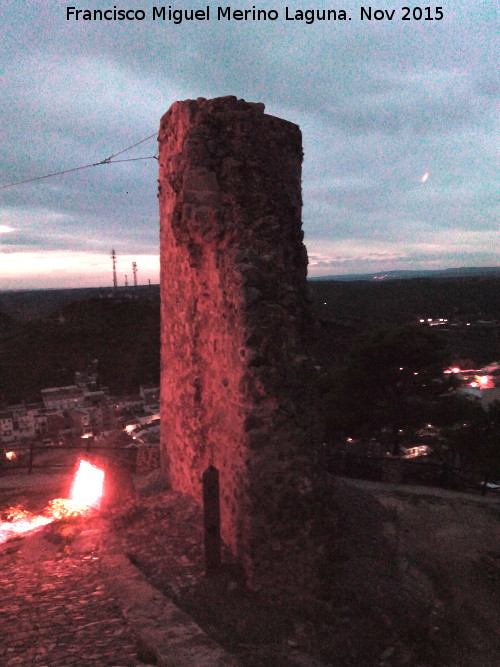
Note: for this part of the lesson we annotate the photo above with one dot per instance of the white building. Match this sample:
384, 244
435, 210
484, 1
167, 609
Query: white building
63, 398
7, 427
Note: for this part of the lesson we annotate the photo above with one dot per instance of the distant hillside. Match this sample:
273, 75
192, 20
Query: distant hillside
122, 334
58, 332
396, 275
347, 309
399, 302
26, 305
5, 320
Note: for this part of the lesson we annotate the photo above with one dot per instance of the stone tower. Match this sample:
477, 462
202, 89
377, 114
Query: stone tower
236, 316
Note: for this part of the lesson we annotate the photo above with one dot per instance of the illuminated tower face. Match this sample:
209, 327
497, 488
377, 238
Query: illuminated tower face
235, 310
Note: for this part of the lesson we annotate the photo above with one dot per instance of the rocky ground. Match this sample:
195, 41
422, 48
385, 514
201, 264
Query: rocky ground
69, 598
56, 612
404, 577
396, 576
55, 609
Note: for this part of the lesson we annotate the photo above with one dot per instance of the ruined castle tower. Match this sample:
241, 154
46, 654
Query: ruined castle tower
236, 315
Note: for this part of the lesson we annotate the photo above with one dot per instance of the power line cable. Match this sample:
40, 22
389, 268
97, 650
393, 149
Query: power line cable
108, 160
134, 159
133, 146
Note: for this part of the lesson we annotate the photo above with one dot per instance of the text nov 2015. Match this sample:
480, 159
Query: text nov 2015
228, 13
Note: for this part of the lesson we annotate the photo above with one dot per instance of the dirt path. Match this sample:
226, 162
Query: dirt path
448, 544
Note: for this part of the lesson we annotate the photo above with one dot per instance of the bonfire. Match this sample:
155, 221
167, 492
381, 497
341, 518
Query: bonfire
85, 497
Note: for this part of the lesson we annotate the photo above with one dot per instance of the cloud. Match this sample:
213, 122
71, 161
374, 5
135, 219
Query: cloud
430, 250
378, 104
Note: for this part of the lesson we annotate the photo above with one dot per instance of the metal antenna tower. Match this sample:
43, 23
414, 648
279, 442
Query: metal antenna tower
134, 269
113, 257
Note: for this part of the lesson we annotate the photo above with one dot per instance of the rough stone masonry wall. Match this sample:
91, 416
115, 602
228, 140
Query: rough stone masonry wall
148, 458
236, 315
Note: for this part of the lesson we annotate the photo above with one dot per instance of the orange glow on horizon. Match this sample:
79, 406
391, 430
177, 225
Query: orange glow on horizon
64, 268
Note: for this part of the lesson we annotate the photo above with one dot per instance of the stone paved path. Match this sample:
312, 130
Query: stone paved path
58, 613
69, 597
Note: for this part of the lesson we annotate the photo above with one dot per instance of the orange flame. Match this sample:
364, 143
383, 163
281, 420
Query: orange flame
88, 485
86, 494
62, 508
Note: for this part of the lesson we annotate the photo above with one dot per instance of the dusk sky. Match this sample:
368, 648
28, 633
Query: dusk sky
399, 121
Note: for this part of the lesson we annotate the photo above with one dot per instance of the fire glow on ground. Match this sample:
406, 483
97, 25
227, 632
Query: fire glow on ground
85, 496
